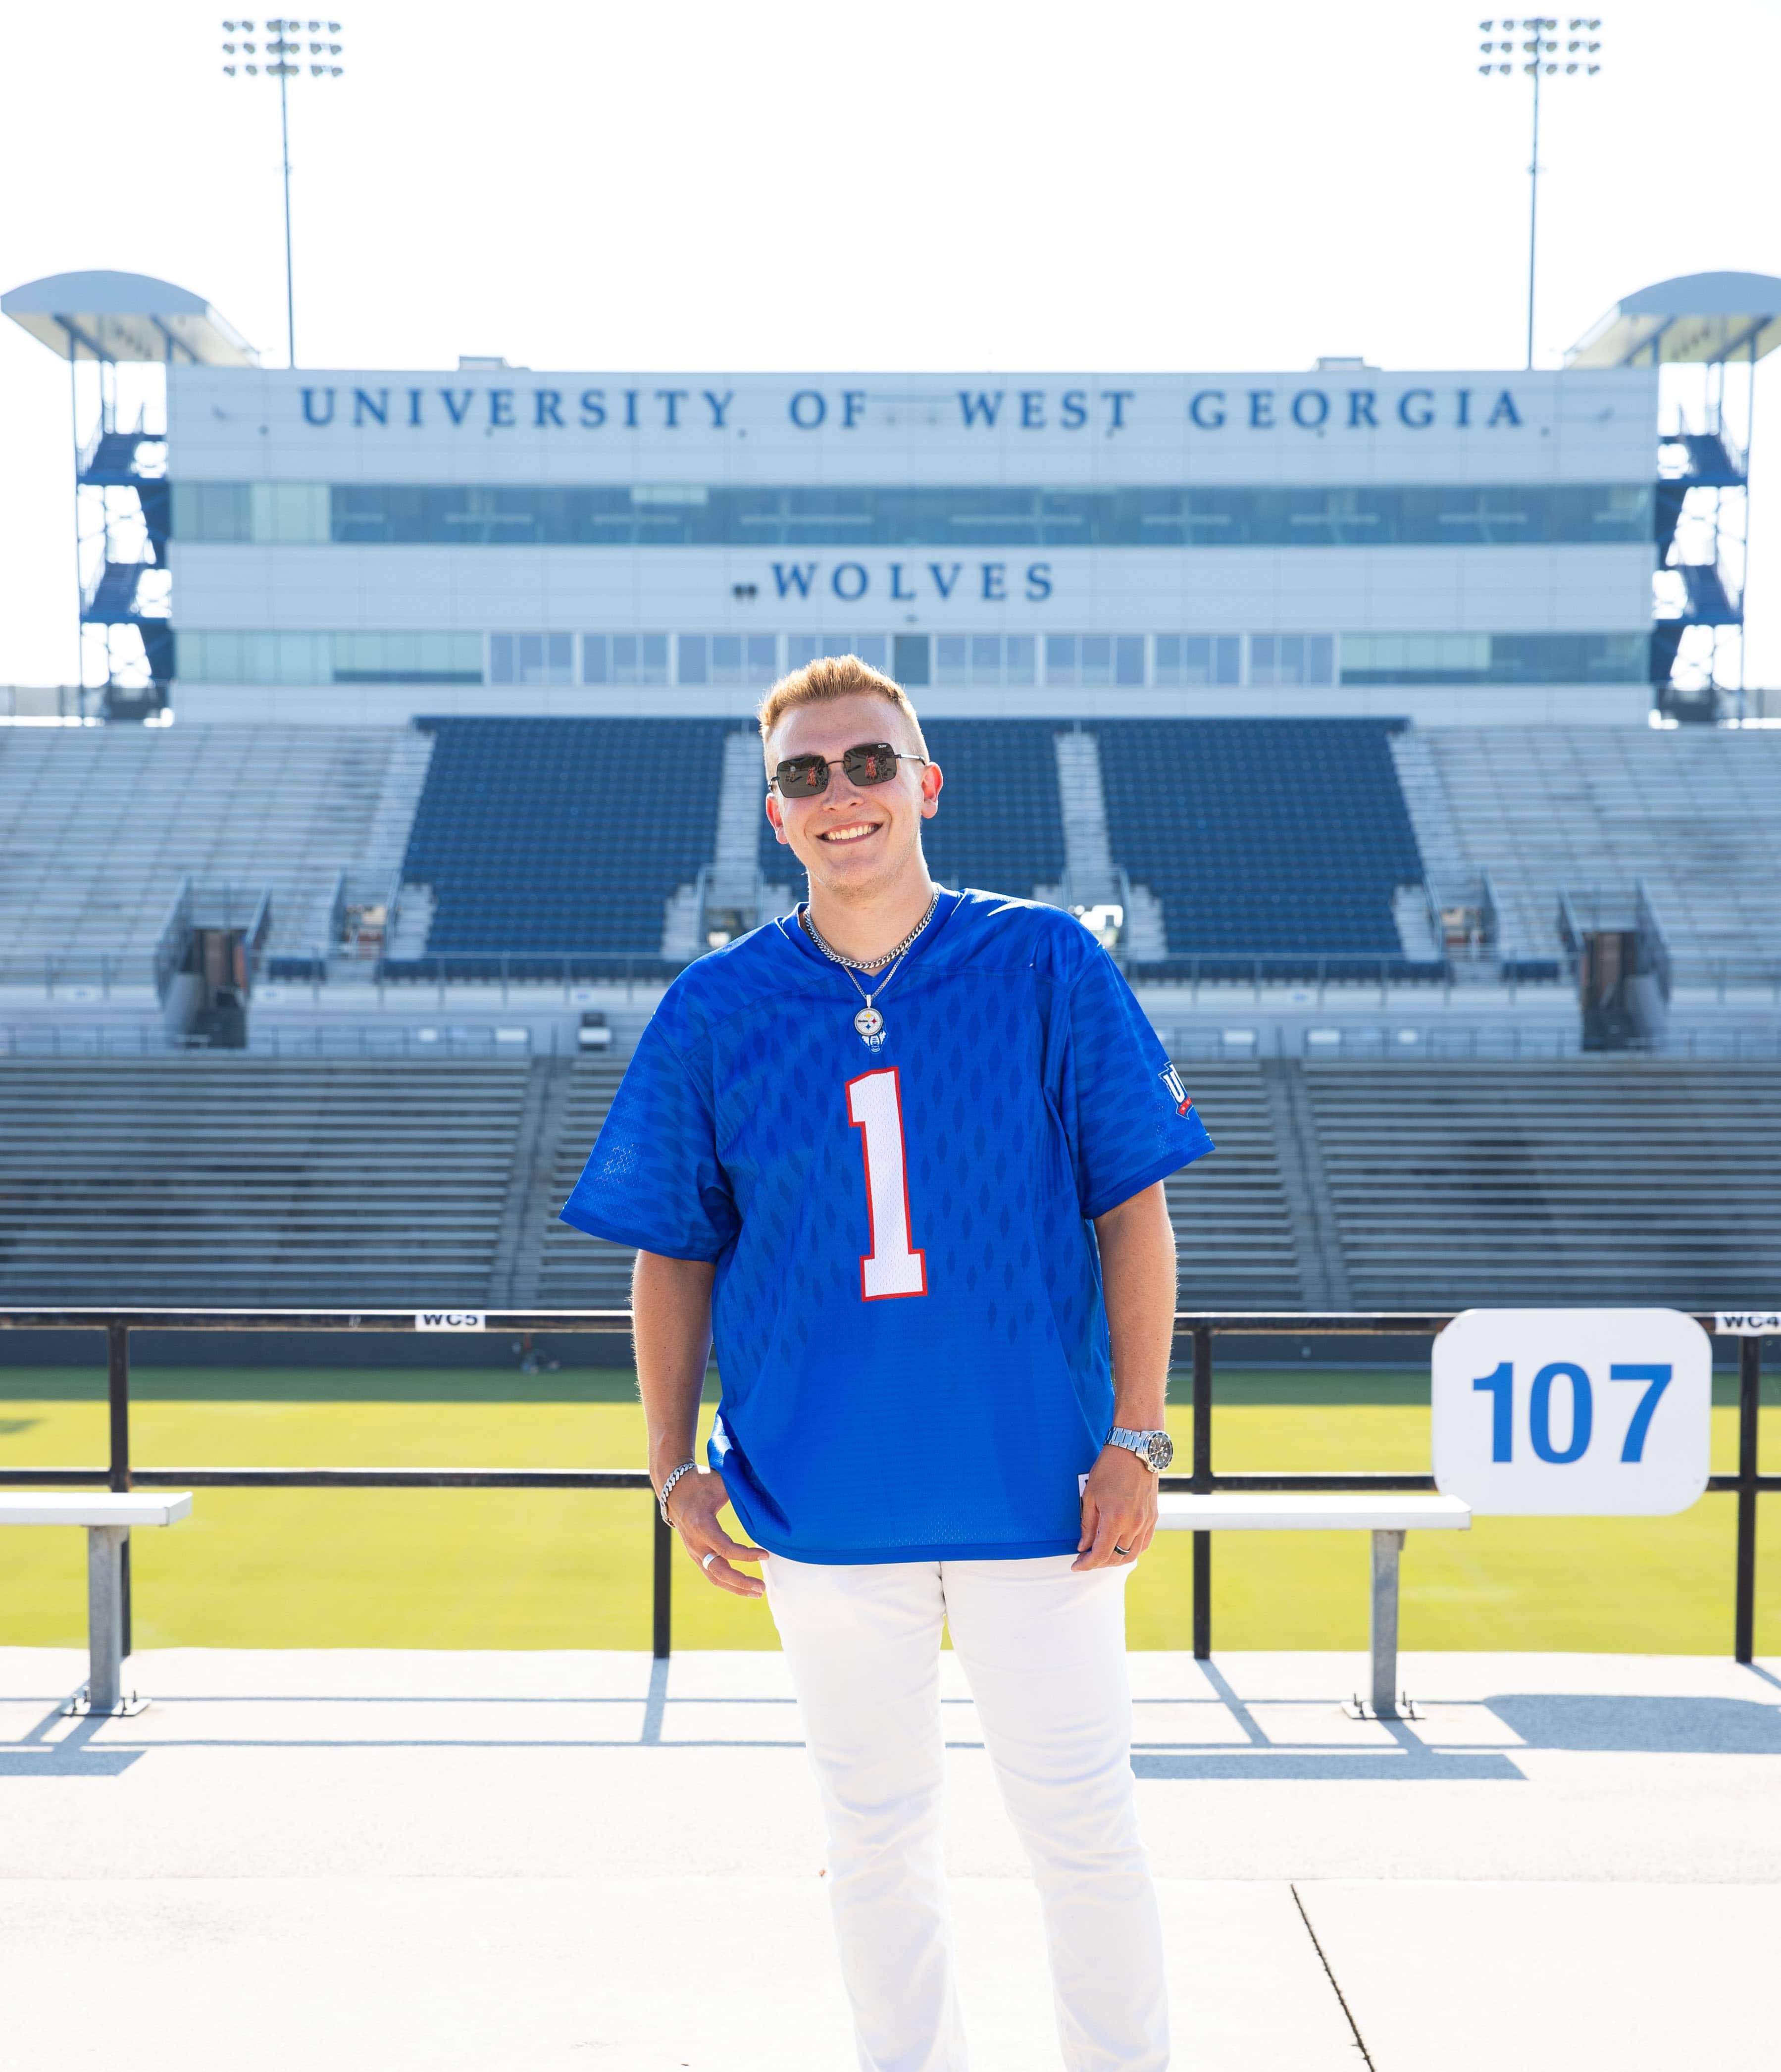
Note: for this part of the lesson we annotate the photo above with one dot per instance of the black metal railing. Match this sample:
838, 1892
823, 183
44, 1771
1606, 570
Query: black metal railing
1200, 1328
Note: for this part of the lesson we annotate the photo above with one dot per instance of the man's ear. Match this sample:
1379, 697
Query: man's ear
931, 782
777, 823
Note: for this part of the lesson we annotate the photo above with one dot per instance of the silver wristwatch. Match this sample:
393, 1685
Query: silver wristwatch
1156, 1449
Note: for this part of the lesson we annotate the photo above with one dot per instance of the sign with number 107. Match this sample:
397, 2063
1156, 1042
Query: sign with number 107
1573, 1412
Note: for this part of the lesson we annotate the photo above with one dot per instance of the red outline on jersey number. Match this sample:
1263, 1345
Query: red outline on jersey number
918, 1255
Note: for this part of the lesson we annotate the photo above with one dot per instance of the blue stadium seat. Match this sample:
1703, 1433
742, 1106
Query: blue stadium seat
1273, 838
1264, 837
561, 835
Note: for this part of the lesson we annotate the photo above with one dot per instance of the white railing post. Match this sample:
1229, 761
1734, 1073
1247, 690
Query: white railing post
1387, 1547
106, 1545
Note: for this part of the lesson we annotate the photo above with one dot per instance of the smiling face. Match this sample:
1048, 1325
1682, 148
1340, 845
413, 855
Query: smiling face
857, 841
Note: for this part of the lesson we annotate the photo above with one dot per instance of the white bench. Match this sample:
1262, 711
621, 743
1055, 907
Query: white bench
108, 1517
1387, 1518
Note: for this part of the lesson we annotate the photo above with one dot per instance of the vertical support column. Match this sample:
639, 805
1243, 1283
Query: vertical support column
105, 1549
662, 1549
1202, 1483
1387, 1547
118, 1390
1750, 1396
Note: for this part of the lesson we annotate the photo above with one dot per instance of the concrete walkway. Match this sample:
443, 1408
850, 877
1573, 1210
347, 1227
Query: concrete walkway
463, 1860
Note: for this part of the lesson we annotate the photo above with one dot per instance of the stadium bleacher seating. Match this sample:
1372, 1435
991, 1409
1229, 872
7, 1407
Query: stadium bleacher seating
573, 1270
560, 835
1233, 1223
1597, 1180
99, 825
233, 1180
1696, 812
1437, 1199
379, 1178
1277, 838
219, 1178
1232, 1214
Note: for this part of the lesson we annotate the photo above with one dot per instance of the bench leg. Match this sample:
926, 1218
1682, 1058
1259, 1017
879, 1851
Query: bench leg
1387, 1547
106, 1546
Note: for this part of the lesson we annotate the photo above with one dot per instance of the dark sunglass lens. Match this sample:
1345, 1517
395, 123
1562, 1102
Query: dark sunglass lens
873, 763
803, 776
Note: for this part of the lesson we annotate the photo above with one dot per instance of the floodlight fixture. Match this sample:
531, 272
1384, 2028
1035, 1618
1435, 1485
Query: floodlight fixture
1540, 58
283, 39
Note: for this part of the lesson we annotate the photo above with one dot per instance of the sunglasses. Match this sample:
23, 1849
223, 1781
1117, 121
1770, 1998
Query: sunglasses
870, 762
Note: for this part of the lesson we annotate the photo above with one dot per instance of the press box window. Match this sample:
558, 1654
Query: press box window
984, 659
330, 657
735, 660
909, 659
255, 658
1493, 658
531, 658
1287, 660
873, 649
407, 658
1098, 660
276, 513
740, 658
639, 658
624, 659
1094, 661
290, 513
1198, 661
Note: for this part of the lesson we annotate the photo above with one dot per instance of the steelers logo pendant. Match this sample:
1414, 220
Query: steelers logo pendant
870, 1025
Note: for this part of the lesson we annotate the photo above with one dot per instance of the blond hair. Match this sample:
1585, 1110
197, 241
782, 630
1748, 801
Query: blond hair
834, 676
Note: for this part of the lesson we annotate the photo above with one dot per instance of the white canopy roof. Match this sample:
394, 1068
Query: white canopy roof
1694, 317
125, 316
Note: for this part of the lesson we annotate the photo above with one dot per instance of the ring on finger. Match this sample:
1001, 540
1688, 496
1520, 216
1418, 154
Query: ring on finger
1125, 1552
710, 1558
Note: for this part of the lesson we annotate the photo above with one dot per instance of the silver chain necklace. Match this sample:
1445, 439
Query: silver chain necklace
869, 1021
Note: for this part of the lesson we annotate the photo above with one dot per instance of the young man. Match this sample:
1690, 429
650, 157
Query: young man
902, 1152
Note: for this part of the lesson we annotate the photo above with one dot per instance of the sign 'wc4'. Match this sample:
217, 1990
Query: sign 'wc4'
1573, 1412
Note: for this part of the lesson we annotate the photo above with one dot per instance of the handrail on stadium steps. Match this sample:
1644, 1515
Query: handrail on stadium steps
1200, 1325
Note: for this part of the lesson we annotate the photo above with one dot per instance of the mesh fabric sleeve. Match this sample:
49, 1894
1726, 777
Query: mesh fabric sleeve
653, 1178
1131, 1119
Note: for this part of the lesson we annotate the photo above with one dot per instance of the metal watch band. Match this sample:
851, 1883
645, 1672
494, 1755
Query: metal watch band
1138, 1443
685, 1468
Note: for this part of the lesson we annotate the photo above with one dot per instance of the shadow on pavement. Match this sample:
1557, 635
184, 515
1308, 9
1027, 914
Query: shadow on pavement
58, 1759
1414, 1765
1651, 1726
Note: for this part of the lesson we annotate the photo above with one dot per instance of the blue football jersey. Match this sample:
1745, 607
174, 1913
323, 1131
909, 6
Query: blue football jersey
906, 1308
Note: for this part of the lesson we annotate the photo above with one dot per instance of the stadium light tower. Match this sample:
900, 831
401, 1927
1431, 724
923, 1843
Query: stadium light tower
1533, 41
278, 55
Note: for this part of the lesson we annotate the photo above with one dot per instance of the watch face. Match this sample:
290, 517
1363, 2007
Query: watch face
1161, 1450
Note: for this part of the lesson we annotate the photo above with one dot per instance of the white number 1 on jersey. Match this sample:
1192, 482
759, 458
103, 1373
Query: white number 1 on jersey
874, 1107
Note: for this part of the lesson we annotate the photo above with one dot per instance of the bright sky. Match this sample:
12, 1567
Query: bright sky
945, 184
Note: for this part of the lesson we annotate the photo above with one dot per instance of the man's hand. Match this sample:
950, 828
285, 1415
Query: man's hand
1119, 1512
693, 1511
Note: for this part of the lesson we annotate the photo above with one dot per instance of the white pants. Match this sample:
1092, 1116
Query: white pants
1044, 1651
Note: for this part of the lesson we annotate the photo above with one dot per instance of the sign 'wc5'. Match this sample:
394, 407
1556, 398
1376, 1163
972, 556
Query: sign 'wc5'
1573, 1412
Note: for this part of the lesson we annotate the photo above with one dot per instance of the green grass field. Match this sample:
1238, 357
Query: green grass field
542, 1568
